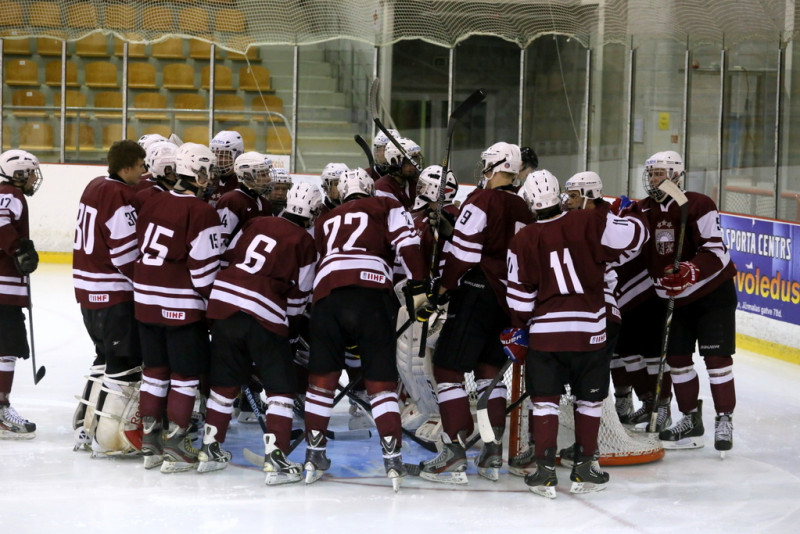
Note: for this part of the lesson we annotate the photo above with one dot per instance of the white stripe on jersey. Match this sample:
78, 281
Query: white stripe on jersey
348, 262
13, 290
249, 304
171, 303
207, 243
101, 287
274, 308
161, 289
123, 223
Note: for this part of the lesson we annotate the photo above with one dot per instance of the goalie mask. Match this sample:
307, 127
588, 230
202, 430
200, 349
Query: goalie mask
500, 157
160, 160
254, 171
304, 200
395, 158
194, 163
22, 170
355, 182
581, 188
428, 186
662, 166
227, 145
330, 176
541, 191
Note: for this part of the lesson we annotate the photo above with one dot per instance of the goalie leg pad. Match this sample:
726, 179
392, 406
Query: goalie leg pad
415, 372
95, 373
119, 422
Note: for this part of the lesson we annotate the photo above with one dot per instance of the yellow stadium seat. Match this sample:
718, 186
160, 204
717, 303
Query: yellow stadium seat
75, 99
21, 72
45, 15
93, 45
193, 20
223, 78
178, 76
47, 46
17, 47
101, 74
135, 50
78, 136
171, 48
268, 103
36, 136
159, 129
254, 78
196, 134
190, 101
6, 137
279, 140
202, 50
113, 132
141, 75
252, 54
12, 17
112, 101
120, 16
150, 101
52, 74
157, 18
223, 103
248, 136
229, 20
82, 15
29, 97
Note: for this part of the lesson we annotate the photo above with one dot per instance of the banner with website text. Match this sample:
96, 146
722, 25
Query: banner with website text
768, 275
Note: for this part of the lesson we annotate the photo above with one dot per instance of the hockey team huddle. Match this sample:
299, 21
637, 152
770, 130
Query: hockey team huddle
206, 276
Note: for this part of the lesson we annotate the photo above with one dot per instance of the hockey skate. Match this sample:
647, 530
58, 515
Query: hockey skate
359, 419
393, 461
450, 466
723, 433
14, 426
179, 453
523, 463
568, 456
279, 469
586, 475
490, 459
687, 433
211, 456
542, 481
152, 442
623, 404
640, 419
317, 461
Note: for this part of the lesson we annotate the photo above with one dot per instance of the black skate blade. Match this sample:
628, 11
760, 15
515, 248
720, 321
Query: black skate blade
413, 469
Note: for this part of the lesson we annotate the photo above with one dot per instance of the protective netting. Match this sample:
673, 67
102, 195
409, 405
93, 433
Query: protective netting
234, 25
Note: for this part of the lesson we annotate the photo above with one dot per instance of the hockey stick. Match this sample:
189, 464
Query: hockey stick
394, 141
670, 188
374, 98
38, 374
365, 147
484, 424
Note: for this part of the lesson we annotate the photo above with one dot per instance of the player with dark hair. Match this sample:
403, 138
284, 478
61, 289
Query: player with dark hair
400, 180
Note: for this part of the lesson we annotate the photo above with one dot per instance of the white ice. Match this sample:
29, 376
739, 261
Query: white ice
46, 487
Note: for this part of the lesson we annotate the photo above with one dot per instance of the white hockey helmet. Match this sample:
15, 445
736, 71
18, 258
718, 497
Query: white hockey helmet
500, 157
355, 182
227, 145
330, 175
21, 168
661, 166
540, 190
395, 158
381, 140
587, 184
280, 175
430, 179
304, 199
160, 160
148, 139
196, 162
253, 170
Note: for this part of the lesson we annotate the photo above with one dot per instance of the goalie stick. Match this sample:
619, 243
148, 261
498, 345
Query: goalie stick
484, 425
38, 374
670, 188
365, 147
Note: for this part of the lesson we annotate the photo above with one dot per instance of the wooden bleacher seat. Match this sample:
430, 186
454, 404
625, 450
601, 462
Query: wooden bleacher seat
52, 74
141, 75
29, 97
6, 136
75, 99
223, 78
159, 129
190, 101
229, 20
195, 134
36, 136
113, 132
254, 78
268, 103
45, 15
93, 45
171, 48
279, 140
101, 74
78, 136
17, 47
252, 54
135, 50
112, 100
82, 15
21, 72
248, 136
228, 102
155, 101
12, 17
202, 50
193, 20
120, 16
157, 18
178, 76
47, 46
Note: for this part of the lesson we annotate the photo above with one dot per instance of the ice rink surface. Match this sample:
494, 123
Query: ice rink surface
48, 488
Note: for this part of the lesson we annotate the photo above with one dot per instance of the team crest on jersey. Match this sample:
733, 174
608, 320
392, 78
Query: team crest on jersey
99, 297
665, 238
373, 277
174, 315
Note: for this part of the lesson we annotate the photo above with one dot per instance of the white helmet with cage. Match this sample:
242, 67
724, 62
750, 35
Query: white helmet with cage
160, 160
659, 167
21, 168
381, 140
304, 199
500, 157
540, 190
355, 182
148, 139
428, 186
196, 162
254, 171
330, 175
395, 158
227, 145
280, 175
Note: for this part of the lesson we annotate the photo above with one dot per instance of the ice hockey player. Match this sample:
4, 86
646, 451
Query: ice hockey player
254, 302
330, 180
379, 143
353, 305
180, 242
705, 301
19, 177
227, 145
238, 206
280, 183
402, 173
556, 289
160, 163
474, 277
104, 251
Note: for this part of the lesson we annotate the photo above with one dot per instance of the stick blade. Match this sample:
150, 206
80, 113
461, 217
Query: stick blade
39, 375
485, 426
671, 188
472, 100
374, 97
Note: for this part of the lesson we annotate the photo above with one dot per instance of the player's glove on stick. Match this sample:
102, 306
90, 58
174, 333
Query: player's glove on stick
26, 258
417, 301
676, 282
515, 343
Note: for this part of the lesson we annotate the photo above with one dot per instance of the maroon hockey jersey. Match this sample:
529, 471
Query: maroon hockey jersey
221, 186
180, 239
556, 277
357, 243
386, 186
105, 245
237, 207
13, 227
703, 244
270, 276
144, 193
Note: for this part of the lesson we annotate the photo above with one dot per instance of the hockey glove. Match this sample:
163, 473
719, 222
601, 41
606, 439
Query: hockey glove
622, 204
444, 223
417, 302
679, 281
26, 258
515, 343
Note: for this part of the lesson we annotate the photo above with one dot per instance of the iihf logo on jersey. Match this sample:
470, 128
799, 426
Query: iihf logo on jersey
665, 238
